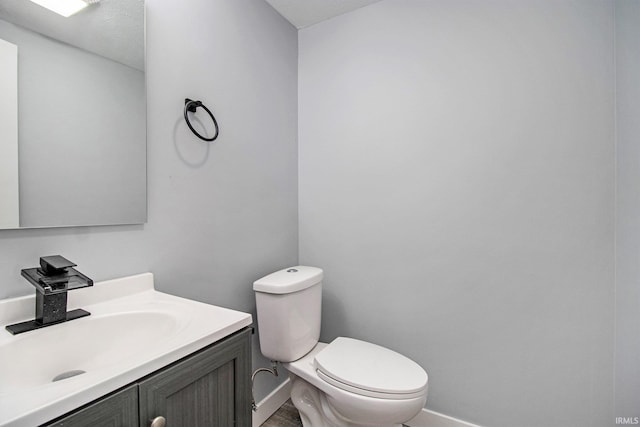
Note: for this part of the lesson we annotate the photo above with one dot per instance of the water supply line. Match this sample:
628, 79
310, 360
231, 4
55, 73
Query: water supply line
273, 371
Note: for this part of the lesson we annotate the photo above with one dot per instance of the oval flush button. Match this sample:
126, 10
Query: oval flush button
292, 270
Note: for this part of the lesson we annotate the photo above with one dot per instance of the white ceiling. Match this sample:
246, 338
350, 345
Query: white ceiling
303, 13
115, 28
111, 28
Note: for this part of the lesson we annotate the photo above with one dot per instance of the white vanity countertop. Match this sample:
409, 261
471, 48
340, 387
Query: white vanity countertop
133, 330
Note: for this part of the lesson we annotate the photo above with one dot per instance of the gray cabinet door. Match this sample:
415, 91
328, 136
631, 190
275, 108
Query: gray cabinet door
211, 388
117, 410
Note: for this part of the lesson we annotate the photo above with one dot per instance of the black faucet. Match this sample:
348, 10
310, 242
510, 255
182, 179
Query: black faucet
53, 279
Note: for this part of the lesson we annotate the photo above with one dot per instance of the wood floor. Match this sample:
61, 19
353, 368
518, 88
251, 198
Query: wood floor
286, 416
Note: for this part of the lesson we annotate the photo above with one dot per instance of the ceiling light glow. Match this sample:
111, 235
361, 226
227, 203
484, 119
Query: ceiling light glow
65, 8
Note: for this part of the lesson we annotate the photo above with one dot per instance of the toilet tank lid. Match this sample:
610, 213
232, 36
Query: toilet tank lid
289, 280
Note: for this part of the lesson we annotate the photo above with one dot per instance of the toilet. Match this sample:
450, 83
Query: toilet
345, 383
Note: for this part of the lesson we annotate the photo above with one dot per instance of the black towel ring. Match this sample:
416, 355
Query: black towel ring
192, 106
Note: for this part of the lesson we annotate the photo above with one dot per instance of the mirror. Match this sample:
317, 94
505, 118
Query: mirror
73, 144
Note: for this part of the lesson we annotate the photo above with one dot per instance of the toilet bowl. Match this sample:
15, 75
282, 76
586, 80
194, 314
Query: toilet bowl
345, 383
340, 405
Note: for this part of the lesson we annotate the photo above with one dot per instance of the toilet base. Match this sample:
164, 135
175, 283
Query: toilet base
316, 410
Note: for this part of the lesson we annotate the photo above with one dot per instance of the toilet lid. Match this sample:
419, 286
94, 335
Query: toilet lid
364, 367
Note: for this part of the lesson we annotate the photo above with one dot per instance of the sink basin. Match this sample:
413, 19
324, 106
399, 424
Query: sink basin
133, 330
86, 344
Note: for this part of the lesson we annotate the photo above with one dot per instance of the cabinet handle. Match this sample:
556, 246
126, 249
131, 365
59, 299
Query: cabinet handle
158, 422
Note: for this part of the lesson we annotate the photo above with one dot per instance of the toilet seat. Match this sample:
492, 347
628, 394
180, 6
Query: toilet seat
370, 370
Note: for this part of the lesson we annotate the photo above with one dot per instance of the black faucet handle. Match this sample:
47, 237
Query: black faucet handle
54, 265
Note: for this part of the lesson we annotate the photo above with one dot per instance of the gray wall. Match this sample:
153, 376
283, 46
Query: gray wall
220, 215
628, 209
457, 186
82, 135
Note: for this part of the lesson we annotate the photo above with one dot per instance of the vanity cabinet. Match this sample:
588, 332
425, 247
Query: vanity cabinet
211, 387
119, 410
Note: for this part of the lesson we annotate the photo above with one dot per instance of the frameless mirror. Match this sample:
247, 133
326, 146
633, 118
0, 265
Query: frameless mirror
72, 115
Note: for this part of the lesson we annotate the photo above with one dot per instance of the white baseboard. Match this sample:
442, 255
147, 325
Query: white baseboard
274, 400
428, 418
270, 404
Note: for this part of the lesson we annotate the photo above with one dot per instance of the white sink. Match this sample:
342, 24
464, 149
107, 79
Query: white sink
132, 331
88, 344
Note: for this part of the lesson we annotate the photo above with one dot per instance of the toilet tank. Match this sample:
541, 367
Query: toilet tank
289, 304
